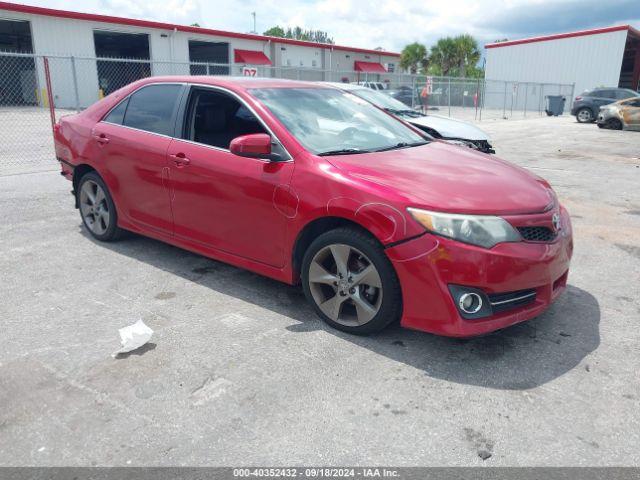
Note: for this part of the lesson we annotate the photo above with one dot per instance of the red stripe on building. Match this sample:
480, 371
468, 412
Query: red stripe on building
558, 36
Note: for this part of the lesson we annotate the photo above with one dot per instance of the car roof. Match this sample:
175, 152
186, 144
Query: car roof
343, 86
234, 83
611, 88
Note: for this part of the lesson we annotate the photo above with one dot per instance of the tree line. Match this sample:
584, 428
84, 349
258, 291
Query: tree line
298, 33
450, 56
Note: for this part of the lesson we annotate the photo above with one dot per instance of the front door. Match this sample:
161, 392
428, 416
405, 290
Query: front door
219, 199
631, 114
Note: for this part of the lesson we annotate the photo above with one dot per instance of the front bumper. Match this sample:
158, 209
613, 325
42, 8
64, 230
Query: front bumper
428, 265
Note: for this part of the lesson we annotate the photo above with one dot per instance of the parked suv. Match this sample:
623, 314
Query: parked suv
587, 104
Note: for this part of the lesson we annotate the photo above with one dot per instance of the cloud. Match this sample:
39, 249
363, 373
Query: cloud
535, 19
390, 24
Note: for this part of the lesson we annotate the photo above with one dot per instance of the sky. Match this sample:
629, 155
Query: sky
390, 24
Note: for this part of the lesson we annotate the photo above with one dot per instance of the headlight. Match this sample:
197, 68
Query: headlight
485, 231
463, 143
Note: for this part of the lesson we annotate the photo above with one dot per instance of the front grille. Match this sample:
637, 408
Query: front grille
537, 234
506, 301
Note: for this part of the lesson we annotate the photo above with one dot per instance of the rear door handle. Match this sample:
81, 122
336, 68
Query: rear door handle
180, 159
100, 138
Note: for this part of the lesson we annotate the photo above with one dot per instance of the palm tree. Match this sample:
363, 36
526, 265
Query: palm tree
443, 54
467, 53
413, 57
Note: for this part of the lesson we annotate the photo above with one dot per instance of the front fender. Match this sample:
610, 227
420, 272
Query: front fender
384, 221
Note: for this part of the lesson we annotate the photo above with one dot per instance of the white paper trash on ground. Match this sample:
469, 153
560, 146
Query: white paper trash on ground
134, 336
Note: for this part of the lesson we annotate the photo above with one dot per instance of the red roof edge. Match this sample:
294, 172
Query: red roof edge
581, 33
51, 12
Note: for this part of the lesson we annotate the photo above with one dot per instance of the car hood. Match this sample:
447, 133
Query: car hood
449, 128
443, 177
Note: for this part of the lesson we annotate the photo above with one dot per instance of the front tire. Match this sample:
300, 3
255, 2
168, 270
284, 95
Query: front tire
350, 282
614, 124
97, 210
584, 115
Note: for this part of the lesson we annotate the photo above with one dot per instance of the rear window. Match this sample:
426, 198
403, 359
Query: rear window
622, 94
152, 108
117, 114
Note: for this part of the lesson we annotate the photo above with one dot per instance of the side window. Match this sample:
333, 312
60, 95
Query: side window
215, 118
633, 103
622, 94
609, 94
597, 93
151, 108
117, 114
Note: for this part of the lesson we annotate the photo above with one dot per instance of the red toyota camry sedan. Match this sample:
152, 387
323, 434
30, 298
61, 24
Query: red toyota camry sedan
308, 184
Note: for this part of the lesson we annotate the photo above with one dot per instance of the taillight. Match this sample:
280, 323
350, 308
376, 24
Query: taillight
578, 99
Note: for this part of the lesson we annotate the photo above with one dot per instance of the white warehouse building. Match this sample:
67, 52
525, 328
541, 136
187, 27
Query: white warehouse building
28, 34
603, 57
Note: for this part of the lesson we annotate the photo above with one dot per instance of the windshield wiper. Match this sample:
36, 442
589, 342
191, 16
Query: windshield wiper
400, 145
343, 151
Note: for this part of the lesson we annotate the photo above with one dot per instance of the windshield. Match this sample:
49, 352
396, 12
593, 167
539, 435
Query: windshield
381, 100
329, 121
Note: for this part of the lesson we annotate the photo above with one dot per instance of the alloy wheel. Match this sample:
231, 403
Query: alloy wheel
94, 207
345, 285
584, 115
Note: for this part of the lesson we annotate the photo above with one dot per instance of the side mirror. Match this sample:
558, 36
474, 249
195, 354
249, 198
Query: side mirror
255, 145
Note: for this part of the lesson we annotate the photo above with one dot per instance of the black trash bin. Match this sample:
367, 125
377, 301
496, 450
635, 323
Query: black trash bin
555, 105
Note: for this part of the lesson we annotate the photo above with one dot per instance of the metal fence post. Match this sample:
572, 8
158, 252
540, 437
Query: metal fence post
504, 102
449, 95
484, 92
75, 82
476, 98
573, 91
413, 91
47, 76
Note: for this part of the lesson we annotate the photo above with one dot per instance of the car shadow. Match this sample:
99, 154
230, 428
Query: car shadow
521, 357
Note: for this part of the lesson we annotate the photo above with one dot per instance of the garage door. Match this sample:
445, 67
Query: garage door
111, 46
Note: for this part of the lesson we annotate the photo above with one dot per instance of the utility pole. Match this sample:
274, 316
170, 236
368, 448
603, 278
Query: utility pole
253, 14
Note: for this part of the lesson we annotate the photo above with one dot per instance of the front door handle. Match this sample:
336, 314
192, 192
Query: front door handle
180, 159
101, 138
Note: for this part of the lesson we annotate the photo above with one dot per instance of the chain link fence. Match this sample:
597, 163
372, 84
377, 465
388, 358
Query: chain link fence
33, 88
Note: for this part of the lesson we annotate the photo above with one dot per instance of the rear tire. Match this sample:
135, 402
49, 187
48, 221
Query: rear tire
350, 282
97, 210
585, 115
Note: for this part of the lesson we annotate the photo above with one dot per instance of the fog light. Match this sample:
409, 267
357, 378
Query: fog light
470, 303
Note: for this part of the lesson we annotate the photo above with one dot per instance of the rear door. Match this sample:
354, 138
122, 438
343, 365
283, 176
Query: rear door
132, 142
219, 199
603, 97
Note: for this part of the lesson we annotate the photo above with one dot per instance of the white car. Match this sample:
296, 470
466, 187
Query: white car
445, 128
371, 85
